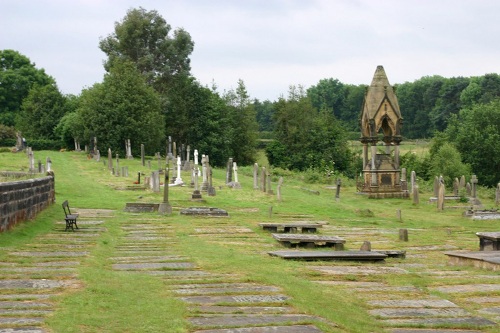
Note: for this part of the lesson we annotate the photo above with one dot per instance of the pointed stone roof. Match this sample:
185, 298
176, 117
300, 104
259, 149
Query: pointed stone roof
380, 89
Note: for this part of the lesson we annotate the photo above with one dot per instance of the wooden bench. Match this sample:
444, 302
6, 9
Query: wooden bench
69, 218
291, 227
310, 241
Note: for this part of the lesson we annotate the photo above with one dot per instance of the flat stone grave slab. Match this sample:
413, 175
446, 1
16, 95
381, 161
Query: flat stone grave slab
249, 319
141, 207
419, 312
25, 296
489, 241
22, 304
266, 329
371, 286
20, 321
392, 253
495, 310
177, 274
141, 258
485, 299
235, 299
225, 230
35, 284
440, 330
155, 265
468, 288
358, 270
239, 309
419, 303
204, 211
51, 254
310, 240
291, 227
227, 290
330, 255
456, 321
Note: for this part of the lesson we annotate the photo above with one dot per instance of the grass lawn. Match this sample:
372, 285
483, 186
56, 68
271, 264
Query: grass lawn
141, 303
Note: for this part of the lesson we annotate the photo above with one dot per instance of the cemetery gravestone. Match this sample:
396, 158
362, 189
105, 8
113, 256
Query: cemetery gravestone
255, 176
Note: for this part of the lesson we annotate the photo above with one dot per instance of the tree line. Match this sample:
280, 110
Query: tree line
148, 93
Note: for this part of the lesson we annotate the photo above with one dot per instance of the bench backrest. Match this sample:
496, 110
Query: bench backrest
65, 206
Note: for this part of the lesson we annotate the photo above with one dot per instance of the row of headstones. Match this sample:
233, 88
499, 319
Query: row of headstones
40, 167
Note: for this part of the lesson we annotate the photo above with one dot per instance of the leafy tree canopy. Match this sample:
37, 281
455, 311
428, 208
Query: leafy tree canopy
123, 107
17, 76
41, 111
144, 38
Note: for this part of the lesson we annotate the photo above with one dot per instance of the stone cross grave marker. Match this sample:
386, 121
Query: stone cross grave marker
110, 159
473, 182
178, 180
236, 183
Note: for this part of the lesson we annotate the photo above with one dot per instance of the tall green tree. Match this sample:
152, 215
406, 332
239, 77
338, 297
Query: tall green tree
17, 76
307, 138
144, 38
264, 115
476, 134
41, 111
123, 107
244, 125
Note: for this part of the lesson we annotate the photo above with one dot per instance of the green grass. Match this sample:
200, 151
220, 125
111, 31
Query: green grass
139, 303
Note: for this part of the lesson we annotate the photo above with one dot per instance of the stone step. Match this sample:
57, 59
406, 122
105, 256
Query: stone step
231, 320
266, 329
235, 299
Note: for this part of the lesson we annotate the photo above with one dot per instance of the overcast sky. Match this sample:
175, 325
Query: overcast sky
269, 44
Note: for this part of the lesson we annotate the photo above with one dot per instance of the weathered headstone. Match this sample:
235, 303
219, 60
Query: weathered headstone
413, 180
337, 192
462, 182
456, 185
211, 188
204, 185
165, 207
398, 215
268, 178
403, 235
142, 155
170, 155
110, 159
19, 142
129, 150
473, 182
155, 181
187, 162
278, 189
263, 179
31, 160
255, 176
436, 186
366, 246
229, 171
416, 200
98, 156
39, 166
404, 183
497, 195
468, 189
48, 161
117, 165
440, 201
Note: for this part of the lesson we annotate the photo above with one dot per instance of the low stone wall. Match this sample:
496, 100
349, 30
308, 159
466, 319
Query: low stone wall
23, 200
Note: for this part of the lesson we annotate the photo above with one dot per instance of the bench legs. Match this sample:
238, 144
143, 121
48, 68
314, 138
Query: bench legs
70, 223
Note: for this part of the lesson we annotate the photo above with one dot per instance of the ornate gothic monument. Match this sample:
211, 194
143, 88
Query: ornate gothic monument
381, 121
